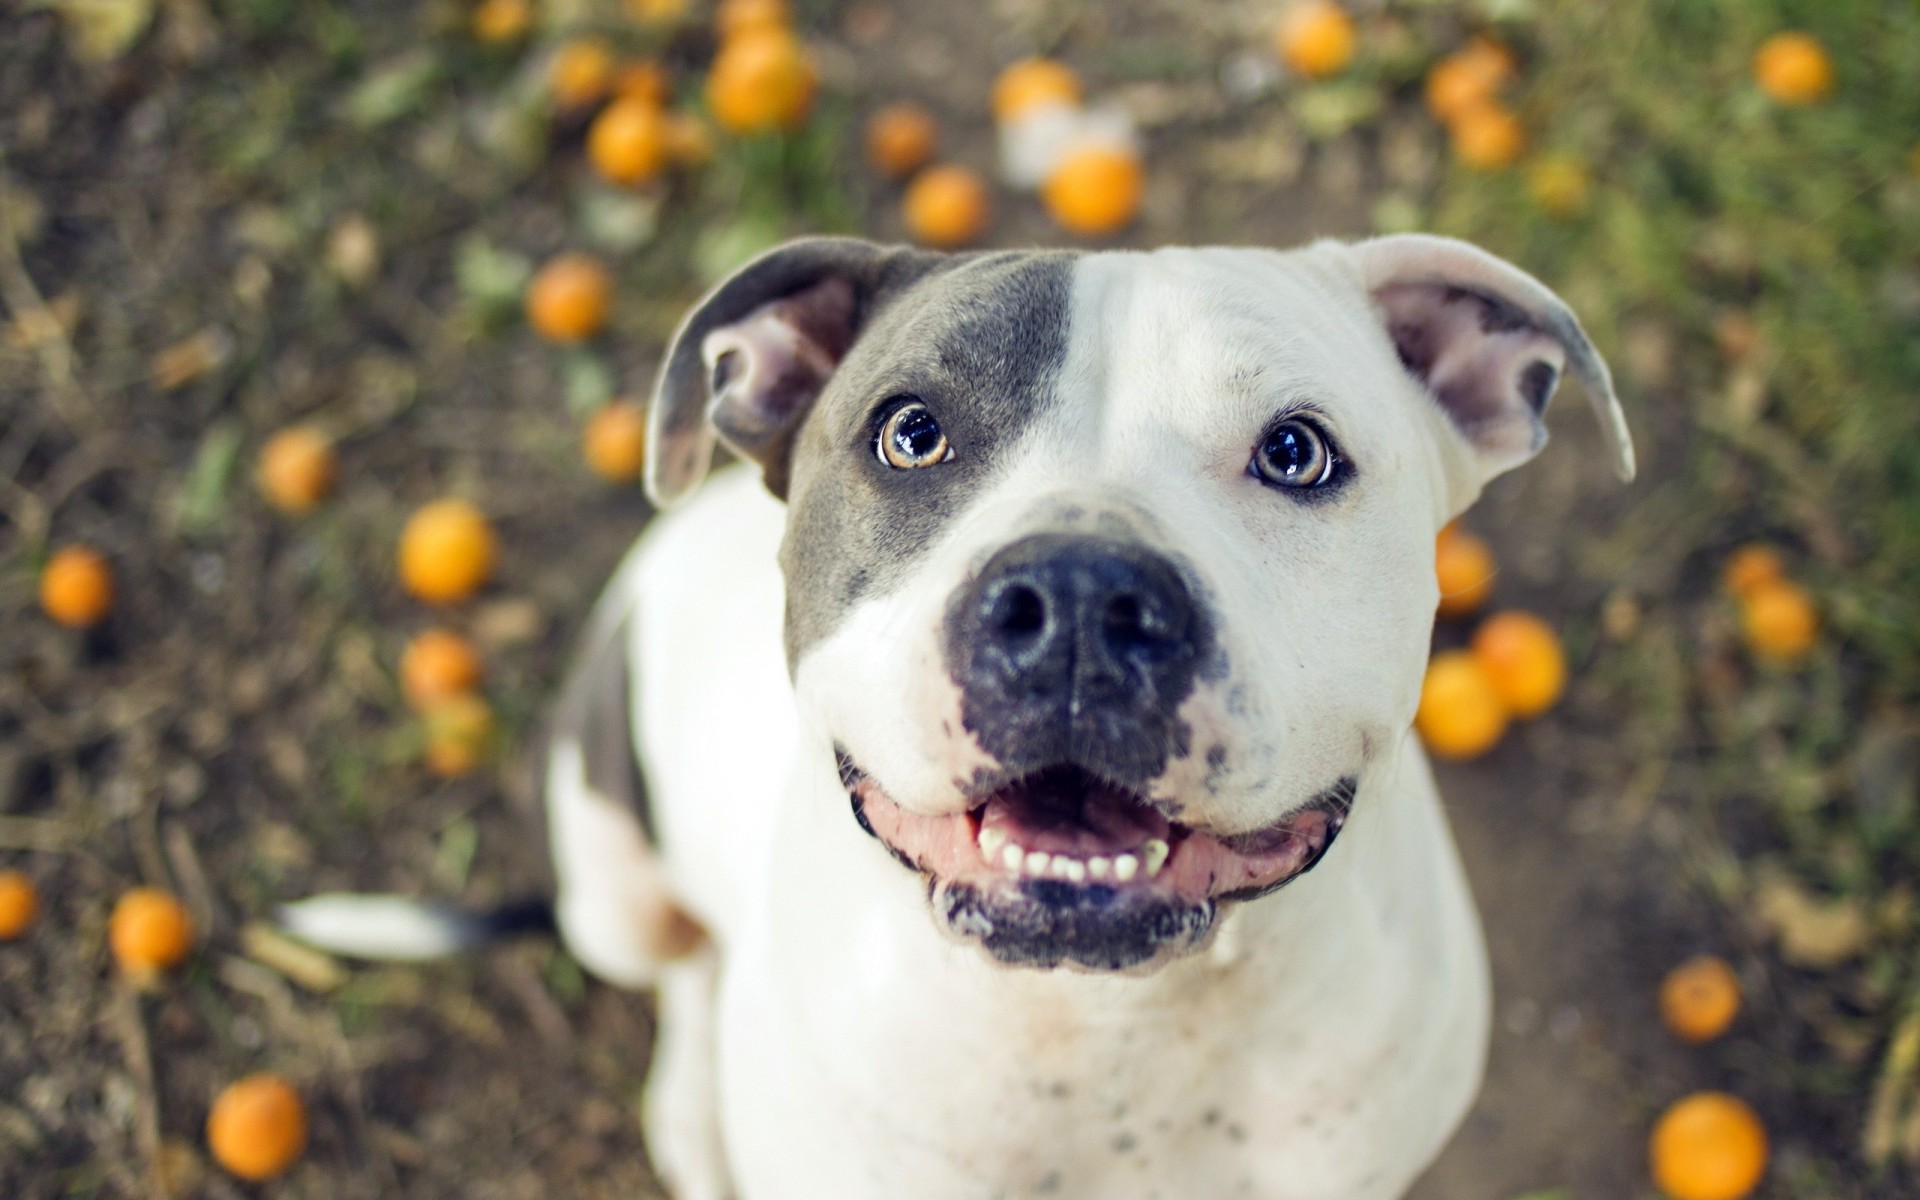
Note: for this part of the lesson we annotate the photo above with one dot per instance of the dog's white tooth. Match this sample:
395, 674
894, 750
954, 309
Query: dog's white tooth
1037, 862
1098, 866
1013, 856
1062, 866
1076, 870
991, 840
1155, 855
1124, 867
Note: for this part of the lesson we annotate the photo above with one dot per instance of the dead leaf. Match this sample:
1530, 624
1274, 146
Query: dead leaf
102, 30
185, 361
1811, 932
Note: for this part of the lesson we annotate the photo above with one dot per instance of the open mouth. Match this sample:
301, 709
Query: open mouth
1061, 866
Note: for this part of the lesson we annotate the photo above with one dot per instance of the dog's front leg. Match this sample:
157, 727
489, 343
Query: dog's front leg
680, 1111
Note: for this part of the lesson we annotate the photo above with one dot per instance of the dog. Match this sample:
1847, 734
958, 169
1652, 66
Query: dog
1004, 773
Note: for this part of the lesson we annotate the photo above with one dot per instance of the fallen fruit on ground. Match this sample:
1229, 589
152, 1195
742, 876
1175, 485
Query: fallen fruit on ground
1559, 184
1751, 567
689, 141
946, 206
1794, 68
1464, 565
76, 587
628, 142
297, 469
1315, 38
1095, 190
257, 1127
1469, 76
499, 21
569, 298
643, 79
614, 442
1487, 136
149, 931
459, 734
1708, 1146
1030, 83
1522, 657
1460, 715
446, 551
657, 12
762, 80
581, 73
737, 17
900, 139
19, 904
437, 664
1779, 620
1700, 998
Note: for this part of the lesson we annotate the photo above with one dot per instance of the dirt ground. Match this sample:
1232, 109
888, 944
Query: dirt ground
234, 730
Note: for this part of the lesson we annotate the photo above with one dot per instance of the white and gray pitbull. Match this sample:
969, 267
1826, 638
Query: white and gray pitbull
1077, 605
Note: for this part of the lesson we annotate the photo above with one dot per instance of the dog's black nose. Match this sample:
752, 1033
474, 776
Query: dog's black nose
1071, 648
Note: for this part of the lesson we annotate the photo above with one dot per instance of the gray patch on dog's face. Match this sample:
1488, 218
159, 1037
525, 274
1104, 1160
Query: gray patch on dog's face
980, 344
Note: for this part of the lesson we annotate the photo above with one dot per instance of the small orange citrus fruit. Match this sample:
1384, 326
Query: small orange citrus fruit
19, 904
1465, 567
1032, 82
657, 12
569, 298
437, 664
581, 73
689, 141
297, 469
1523, 658
1708, 1146
1460, 714
1095, 191
763, 79
257, 1127
149, 931
1559, 184
446, 551
1749, 568
643, 79
1700, 998
76, 587
736, 18
1487, 136
1779, 620
459, 734
499, 21
615, 441
946, 206
1468, 76
1315, 38
900, 139
1794, 68
628, 141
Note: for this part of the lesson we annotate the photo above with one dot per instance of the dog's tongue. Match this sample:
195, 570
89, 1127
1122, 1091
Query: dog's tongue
1068, 813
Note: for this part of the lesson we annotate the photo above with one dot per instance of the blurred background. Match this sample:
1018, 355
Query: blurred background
325, 325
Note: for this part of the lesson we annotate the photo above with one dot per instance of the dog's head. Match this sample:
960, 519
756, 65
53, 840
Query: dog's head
1110, 576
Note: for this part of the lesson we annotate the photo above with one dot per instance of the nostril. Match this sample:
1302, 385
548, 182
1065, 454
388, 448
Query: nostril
1019, 613
1124, 620
1134, 628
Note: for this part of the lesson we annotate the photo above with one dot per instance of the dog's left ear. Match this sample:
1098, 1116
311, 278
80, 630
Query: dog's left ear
750, 359
1490, 342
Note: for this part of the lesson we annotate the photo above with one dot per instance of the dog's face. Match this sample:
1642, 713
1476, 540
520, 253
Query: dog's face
1110, 576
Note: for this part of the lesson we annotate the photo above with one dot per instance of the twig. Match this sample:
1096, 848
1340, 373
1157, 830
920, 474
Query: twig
70, 400
132, 1031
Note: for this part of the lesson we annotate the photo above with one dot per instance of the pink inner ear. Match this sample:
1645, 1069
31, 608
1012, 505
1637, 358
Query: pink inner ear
1487, 364
765, 369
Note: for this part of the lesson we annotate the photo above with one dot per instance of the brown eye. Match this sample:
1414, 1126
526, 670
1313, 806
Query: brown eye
1294, 454
910, 437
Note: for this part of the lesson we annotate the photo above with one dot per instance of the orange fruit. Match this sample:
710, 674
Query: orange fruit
689, 141
1708, 1146
149, 931
657, 12
1751, 567
900, 139
1468, 76
76, 587
569, 298
1460, 715
1095, 190
257, 1127
628, 141
1779, 620
738, 17
1487, 136
615, 441
446, 551
1315, 38
763, 79
1559, 184
437, 664
643, 79
459, 734
1465, 568
1794, 68
499, 21
1699, 998
1032, 82
296, 469
19, 904
946, 206
581, 73
1522, 657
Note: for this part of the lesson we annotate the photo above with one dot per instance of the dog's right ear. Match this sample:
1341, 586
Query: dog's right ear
754, 354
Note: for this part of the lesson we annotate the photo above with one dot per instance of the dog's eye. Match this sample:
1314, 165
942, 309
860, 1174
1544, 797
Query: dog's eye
1295, 454
910, 437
